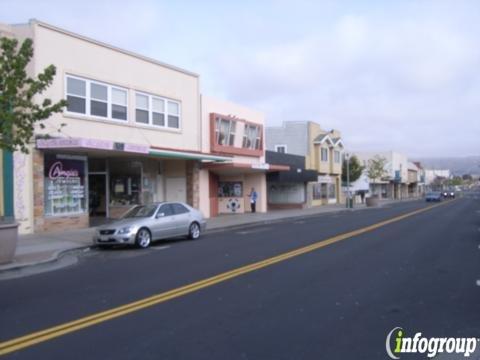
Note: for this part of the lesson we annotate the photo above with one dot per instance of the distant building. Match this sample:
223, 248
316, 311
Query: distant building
432, 174
323, 152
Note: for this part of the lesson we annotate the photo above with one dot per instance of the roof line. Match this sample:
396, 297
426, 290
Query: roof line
111, 47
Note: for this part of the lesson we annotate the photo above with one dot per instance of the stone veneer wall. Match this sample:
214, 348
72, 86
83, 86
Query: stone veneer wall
193, 183
54, 223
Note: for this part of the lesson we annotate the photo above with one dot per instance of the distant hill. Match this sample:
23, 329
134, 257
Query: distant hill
458, 166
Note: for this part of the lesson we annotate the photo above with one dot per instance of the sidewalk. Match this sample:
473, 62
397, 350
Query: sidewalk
36, 249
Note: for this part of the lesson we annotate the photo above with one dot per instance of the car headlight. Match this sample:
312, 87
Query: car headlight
126, 230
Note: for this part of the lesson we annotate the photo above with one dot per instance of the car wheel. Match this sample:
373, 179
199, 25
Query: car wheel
194, 231
143, 239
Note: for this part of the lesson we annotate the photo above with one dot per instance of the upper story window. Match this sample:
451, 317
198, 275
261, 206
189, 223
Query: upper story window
281, 148
225, 132
324, 154
93, 98
336, 156
157, 111
251, 137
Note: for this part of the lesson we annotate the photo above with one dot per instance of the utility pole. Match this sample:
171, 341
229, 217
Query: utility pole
347, 157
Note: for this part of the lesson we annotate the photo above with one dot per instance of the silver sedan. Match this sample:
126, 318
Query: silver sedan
146, 223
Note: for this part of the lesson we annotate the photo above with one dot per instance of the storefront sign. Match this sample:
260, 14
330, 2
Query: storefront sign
261, 166
325, 179
66, 143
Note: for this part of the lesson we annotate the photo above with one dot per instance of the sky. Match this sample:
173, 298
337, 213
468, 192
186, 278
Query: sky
399, 75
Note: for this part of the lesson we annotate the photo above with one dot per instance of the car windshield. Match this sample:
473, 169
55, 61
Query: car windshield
141, 211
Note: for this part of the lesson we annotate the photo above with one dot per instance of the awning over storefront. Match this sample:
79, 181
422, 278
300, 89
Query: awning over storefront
244, 168
83, 144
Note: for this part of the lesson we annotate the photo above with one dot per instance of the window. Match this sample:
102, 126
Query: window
332, 193
251, 137
179, 209
141, 108
230, 189
336, 155
93, 98
157, 111
76, 95
99, 100
225, 132
324, 154
317, 191
119, 104
166, 209
281, 148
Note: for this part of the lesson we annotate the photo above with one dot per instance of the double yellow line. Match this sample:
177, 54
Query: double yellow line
69, 327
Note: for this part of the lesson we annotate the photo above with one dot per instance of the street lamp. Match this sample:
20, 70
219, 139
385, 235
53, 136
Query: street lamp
347, 158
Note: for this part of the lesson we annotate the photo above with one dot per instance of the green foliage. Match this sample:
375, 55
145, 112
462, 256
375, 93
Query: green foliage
20, 106
376, 168
355, 170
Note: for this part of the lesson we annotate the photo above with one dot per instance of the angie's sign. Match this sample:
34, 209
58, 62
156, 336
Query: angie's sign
56, 168
56, 171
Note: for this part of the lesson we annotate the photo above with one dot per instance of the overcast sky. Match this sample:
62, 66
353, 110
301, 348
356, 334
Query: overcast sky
391, 75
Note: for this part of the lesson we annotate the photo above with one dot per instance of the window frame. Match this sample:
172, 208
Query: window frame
324, 150
229, 134
165, 113
246, 136
281, 146
337, 156
88, 98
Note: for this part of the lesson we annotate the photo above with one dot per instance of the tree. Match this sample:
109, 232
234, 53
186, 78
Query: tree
467, 177
355, 170
19, 110
20, 105
376, 168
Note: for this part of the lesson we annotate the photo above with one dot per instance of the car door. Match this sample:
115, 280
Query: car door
164, 222
181, 219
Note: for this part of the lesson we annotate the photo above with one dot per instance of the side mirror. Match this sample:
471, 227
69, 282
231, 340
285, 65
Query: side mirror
159, 215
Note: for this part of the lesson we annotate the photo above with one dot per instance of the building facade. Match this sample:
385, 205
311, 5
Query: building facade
322, 151
234, 131
132, 134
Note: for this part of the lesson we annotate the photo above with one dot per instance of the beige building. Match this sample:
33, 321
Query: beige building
132, 134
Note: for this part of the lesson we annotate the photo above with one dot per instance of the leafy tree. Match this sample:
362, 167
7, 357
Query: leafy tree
355, 170
467, 177
376, 168
20, 109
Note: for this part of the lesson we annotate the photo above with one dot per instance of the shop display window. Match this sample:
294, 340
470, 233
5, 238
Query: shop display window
230, 189
64, 185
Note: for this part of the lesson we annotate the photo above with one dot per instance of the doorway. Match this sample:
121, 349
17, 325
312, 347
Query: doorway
97, 195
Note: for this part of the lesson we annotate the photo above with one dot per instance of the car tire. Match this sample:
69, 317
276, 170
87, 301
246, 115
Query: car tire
143, 238
194, 231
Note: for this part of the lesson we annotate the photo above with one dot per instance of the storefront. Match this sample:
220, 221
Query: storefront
79, 182
325, 190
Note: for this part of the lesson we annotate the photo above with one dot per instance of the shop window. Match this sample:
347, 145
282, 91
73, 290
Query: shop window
125, 182
76, 95
64, 179
251, 137
230, 189
225, 132
317, 191
331, 189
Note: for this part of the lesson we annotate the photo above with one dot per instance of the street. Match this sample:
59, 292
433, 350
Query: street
335, 301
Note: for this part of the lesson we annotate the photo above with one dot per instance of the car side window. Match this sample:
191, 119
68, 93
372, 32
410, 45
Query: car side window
179, 209
166, 209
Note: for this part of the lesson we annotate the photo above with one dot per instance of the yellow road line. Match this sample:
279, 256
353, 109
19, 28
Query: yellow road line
69, 327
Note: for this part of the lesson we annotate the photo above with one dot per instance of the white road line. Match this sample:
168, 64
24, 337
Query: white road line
160, 247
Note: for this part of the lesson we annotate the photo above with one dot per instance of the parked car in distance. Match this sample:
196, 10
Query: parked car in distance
146, 223
433, 196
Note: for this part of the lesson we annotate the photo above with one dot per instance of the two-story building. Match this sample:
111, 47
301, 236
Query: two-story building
234, 131
322, 151
132, 134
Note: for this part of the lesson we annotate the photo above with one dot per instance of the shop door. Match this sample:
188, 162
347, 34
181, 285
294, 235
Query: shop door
97, 195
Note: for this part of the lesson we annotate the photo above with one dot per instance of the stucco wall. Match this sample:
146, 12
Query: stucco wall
76, 56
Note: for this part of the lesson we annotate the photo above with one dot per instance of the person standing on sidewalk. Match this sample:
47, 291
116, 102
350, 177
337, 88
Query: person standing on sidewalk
253, 200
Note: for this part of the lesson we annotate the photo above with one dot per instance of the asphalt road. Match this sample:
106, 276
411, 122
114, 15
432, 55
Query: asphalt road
336, 302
